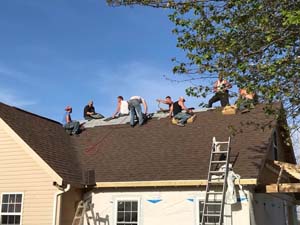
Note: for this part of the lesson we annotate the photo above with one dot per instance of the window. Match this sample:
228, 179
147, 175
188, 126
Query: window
127, 212
211, 209
11, 208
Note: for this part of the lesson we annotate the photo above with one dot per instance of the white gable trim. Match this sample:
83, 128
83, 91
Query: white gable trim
30, 151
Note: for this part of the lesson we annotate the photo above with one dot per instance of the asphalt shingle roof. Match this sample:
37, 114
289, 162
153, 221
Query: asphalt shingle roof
155, 151
160, 150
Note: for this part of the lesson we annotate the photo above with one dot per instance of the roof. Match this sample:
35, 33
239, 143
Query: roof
162, 151
156, 151
47, 138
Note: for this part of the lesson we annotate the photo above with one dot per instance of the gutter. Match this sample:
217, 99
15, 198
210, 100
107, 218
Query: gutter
56, 195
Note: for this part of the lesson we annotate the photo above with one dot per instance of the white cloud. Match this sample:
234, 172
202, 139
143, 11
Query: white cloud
10, 73
12, 98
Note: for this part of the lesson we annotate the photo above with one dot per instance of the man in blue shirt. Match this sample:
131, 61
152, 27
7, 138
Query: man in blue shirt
70, 124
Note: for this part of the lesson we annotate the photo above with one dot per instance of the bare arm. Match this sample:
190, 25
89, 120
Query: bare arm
162, 101
68, 118
145, 106
215, 87
117, 110
171, 111
183, 106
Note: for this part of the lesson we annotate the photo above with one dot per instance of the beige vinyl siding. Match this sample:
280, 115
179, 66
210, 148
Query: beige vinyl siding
19, 172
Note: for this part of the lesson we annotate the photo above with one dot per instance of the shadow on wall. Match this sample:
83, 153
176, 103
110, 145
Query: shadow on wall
96, 220
102, 220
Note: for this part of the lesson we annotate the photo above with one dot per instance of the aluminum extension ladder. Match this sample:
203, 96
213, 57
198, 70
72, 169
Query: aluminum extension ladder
81, 211
213, 205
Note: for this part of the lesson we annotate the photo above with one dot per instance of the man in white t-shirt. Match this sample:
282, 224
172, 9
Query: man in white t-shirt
122, 108
135, 108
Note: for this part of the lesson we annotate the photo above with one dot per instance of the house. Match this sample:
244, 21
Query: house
149, 175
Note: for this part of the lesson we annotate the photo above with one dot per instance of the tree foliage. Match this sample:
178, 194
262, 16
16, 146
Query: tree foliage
256, 43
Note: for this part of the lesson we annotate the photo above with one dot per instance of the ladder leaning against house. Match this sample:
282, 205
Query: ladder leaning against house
81, 211
213, 205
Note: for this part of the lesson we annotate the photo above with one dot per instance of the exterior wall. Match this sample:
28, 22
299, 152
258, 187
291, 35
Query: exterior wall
284, 152
274, 209
20, 173
69, 201
177, 206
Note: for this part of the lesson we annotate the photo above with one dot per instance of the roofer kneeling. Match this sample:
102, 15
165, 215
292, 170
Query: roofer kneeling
176, 109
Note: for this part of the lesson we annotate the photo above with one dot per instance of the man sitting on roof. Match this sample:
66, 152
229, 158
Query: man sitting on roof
168, 101
68, 123
89, 112
122, 108
177, 108
246, 100
135, 108
220, 88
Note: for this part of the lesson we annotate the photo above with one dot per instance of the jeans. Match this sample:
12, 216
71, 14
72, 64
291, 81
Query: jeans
135, 109
74, 126
94, 116
219, 96
245, 103
182, 117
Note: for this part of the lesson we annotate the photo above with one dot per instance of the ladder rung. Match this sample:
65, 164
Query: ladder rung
220, 161
216, 172
216, 182
221, 142
220, 152
213, 203
211, 215
214, 193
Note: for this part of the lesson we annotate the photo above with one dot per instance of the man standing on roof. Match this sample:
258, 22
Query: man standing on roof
135, 108
177, 108
89, 112
220, 88
122, 108
168, 101
70, 124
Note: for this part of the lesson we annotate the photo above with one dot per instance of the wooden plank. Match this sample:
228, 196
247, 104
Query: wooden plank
166, 183
283, 188
292, 169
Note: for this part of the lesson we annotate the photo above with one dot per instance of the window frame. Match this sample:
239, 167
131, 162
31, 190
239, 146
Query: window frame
127, 198
197, 209
12, 213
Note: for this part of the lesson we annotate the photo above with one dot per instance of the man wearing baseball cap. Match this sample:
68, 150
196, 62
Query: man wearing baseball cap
70, 124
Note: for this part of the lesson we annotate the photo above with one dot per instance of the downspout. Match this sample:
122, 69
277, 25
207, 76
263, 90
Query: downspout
56, 195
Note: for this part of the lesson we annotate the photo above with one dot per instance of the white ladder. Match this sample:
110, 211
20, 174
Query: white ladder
79, 214
213, 205
82, 208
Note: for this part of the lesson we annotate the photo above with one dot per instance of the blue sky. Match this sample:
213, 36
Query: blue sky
66, 52
62, 52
